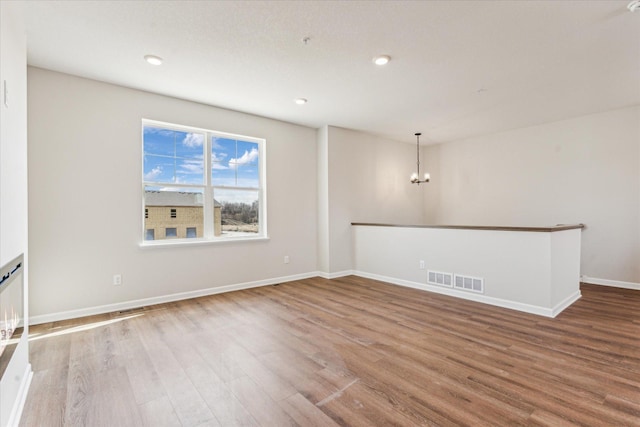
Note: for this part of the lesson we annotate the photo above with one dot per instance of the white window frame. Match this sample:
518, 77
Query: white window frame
208, 188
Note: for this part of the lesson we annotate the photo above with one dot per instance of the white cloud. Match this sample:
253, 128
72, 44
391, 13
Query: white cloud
192, 166
153, 174
215, 143
193, 140
218, 157
247, 157
216, 160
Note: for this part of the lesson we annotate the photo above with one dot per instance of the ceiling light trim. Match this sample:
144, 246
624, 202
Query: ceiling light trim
382, 60
153, 59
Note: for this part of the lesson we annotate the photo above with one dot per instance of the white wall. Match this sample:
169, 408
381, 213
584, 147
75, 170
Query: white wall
535, 272
368, 181
84, 158
13, 128
13, 190
85, 198
582, 170
323, 199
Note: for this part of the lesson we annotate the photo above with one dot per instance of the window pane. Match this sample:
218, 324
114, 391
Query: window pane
178, 194
171, 210
172, 156
234, 163
247, 164
237, 210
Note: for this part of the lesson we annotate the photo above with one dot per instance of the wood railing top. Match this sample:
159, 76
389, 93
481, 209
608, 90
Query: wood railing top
558, 227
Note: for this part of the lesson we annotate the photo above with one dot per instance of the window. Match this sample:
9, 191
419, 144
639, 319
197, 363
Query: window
150, 234
171, 232
212, 183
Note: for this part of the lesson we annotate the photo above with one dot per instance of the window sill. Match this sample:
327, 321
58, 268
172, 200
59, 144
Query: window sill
167, 243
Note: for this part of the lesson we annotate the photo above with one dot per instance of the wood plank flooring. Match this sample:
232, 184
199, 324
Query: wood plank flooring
350, 352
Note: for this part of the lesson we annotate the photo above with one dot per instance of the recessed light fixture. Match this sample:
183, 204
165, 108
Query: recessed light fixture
634, 5
153, 60
381, 60
300, 101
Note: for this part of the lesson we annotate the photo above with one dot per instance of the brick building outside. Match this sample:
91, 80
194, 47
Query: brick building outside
177, 215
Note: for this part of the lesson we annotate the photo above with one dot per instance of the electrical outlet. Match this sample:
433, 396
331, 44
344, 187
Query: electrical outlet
286, 259
421, 264
117, 279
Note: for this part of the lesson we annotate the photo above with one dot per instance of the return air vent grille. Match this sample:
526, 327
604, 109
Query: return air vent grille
468, 283
440, 278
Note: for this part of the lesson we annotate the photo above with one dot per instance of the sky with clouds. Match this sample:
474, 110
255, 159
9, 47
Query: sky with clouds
177, 157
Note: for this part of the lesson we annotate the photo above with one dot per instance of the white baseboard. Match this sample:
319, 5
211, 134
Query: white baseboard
559, 308
612, 283
513, 305
335, 275
127, 305
21, 398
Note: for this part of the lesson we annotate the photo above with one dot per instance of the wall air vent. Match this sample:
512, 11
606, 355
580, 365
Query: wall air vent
439, 278
468, 283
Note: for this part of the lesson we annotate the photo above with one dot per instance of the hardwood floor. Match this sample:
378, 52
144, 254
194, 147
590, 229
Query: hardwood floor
347, 351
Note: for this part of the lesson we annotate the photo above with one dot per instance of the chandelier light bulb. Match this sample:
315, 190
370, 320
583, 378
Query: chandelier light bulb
415, 177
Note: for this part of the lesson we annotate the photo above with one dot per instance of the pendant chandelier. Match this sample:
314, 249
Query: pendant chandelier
415, 177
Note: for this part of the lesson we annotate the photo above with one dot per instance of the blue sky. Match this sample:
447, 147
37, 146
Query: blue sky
176, 157
234, 162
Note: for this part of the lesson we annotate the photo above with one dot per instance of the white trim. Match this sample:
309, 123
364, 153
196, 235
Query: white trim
21, 398
612, 283
527, 308
335, 275
207, 186
559, 308
168, 243
127, 305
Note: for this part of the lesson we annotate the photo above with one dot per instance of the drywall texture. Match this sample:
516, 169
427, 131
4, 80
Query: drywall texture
582, 170
368, 181
13, 136
323, 199
530, 271
85, 217
13, 189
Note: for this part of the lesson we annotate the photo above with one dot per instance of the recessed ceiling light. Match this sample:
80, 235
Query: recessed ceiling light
153, 60
381, 60
633, 6
300, 101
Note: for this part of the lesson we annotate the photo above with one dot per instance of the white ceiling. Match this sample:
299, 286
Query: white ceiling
458, 68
